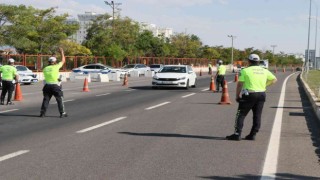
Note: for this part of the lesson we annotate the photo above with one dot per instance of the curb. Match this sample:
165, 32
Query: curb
312, 98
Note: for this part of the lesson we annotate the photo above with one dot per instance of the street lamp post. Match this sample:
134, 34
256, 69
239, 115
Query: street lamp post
232, 37
112, 4
273, 46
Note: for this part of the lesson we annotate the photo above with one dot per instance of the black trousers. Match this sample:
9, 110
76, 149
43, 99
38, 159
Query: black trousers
50, 90
219, 82
254, 102
7, 87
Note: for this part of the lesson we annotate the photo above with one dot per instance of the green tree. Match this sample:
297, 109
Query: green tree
74, 49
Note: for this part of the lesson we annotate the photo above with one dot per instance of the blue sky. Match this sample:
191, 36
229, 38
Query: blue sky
255, 23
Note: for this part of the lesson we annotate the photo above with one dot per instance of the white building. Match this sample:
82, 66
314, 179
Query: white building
84, 21
166, 32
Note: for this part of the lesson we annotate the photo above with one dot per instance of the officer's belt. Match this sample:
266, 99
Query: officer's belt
250, 91
52, 83
7, 80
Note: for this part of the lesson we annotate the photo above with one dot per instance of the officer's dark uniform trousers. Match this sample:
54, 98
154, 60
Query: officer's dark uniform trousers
7, 87
220, 80
254, 101
50, 90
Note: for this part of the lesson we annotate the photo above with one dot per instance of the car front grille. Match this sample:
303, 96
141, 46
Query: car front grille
168, 79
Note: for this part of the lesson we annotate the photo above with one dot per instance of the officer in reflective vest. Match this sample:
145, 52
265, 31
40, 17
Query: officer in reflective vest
8, 74
220, 75
250, 94
52, 85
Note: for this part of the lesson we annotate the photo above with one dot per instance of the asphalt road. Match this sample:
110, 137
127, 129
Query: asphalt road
138, 133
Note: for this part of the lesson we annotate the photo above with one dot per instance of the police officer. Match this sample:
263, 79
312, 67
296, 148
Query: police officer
250, 94
52, 86
210, 68
220, 75
8, 74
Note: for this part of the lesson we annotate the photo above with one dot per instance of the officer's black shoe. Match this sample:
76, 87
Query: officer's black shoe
234, 137
62, 115
10, 103
42, 115
250, 137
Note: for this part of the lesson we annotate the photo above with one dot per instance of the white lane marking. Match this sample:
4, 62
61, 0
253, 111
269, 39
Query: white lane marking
12, 155
64, 101
130, 90
10, 110
188, 95
102, 94
152, 107
271, 162
207, 89
100, 125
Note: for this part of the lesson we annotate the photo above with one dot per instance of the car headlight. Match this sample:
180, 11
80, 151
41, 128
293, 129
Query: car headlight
155, 77
182, 78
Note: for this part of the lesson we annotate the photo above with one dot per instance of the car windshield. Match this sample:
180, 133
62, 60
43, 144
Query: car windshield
155, 66
173, 69
128, 66
21, 68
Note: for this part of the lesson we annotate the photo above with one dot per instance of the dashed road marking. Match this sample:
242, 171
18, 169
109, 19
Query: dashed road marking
100, 125
64, 101
12, 155
207, 89
10, 110
152, 107
188, 95
102, 94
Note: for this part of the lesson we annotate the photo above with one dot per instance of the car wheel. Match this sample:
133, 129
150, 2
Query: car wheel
195, 83
187, 85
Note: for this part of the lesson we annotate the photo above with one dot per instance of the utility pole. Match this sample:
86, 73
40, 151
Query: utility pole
232, 37
306, 63
113, 5
273, 46
315, 45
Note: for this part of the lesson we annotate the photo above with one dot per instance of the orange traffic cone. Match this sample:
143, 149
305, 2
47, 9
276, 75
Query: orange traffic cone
236, 77
125, 80
85, 85
18, 94
225, 95
200, 72
212, 86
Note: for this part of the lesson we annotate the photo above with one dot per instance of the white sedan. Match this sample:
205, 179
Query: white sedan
175, 76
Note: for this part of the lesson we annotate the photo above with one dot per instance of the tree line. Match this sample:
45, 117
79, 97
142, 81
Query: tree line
41, 31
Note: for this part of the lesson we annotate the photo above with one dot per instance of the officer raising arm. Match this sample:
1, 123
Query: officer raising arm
8, 74
52, 87
250, 94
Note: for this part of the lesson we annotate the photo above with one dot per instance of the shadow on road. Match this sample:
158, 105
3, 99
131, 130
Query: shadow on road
279, 176
173, 135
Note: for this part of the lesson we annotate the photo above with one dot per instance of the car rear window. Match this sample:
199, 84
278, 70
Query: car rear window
155, 66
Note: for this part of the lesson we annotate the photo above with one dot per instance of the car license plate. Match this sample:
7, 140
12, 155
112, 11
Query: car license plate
169, 82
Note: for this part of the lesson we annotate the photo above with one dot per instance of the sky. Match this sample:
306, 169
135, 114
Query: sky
254, 23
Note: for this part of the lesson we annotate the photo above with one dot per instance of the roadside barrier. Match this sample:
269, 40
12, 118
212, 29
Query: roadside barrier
18, 94
212, 86
125, 80
85, 85
225, 99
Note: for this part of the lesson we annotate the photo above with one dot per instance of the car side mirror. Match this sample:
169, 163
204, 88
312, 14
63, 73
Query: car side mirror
190, 72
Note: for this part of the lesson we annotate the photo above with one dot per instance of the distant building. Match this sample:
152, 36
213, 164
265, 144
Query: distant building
84, 21
312, 57
166, 32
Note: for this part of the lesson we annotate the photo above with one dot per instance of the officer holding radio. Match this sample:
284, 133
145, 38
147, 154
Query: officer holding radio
250, 94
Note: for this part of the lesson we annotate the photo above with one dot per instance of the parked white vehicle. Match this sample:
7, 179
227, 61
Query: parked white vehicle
141, 68
175, 76
94, 68
26, 76
155, 67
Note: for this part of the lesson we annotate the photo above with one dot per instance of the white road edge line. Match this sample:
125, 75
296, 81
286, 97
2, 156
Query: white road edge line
271, 162
12, 155
102, 94
100, 125
188, 95
152, 107
10, 110
207, 89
